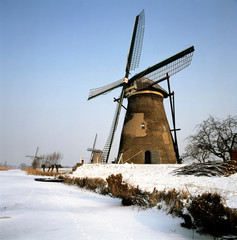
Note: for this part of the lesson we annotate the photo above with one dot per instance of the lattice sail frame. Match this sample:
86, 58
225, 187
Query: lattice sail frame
135, 59
136, 56
105, 89
171, 68
113, 127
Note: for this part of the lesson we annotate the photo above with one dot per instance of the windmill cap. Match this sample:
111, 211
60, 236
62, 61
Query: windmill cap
146, 84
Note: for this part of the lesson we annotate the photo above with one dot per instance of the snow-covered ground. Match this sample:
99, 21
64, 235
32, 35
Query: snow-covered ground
33, 210
162, 177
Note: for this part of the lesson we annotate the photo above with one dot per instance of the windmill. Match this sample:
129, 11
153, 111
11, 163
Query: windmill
36, 159
95, 153
147, 81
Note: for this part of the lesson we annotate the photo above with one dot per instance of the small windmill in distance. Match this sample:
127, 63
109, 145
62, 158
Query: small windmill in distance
146, 136
95, 153
36, 159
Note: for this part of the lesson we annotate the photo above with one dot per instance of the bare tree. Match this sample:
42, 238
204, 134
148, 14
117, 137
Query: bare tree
194, 152
213, 138
52, 160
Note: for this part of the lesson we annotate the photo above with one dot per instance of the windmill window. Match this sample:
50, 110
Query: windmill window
143, 125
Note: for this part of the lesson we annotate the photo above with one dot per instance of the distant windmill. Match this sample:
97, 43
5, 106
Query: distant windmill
36, 159
95, 153
146, 136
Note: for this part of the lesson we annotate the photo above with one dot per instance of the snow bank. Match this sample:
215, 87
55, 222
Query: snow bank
162, 177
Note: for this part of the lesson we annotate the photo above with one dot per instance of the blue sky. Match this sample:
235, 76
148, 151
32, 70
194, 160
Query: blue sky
52, 52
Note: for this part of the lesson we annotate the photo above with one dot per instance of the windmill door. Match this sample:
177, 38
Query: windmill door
152, 157
147, 157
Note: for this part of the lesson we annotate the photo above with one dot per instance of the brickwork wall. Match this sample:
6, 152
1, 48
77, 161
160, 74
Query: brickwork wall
146, 129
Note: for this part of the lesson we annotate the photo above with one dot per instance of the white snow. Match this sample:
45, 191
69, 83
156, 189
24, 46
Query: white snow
40, 210
161, 176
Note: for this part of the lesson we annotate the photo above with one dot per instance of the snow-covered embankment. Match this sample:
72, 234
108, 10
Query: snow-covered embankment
161, 177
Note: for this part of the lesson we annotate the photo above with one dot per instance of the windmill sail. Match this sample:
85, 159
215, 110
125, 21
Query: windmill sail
170, 65
37, 149
132, 63
136, 55
105, 89
108, 144
133, 57
135, 49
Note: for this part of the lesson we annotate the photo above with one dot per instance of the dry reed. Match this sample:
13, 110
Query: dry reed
4, 168
37, 172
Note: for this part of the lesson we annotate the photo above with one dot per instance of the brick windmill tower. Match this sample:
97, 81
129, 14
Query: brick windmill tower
146, 136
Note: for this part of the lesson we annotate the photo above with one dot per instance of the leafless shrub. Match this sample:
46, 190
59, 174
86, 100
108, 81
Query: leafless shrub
128, 194
211, 216
76, 166
173, 199
94, 184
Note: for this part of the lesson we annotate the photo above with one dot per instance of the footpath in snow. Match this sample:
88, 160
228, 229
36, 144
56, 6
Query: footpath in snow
31, 210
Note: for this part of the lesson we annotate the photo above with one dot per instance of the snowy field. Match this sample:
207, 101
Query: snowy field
31, 210
162, 177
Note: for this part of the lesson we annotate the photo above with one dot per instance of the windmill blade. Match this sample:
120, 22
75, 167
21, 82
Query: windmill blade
133, 56
90, 149
108, 144
135, 49
95, 150
95, 141
170, 65
105, 89
37, 149
132, 63
138, 42
29, 156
